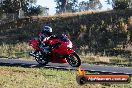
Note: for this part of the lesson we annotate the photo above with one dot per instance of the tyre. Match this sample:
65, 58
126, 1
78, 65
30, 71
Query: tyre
42, 59
81, 80
74, 60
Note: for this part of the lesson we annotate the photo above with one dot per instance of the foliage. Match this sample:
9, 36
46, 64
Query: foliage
61, 6
72, 6
121, 4
130, 20
33, 1
35, 10
122, 25
66, 6
13, 6
90, 5
1, 12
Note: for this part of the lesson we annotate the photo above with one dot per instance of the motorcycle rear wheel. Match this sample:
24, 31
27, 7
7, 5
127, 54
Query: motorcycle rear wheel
42, 60
74, 60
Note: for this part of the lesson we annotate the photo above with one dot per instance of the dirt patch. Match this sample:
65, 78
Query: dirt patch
5, 72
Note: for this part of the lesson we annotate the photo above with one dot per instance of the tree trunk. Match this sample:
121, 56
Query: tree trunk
63, 6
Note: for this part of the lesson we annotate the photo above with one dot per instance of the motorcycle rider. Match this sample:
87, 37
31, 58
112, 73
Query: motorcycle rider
44, 37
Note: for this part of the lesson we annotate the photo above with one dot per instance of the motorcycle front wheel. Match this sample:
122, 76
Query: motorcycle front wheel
74, 60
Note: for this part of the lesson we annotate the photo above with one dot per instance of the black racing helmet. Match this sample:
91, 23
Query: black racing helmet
47, 30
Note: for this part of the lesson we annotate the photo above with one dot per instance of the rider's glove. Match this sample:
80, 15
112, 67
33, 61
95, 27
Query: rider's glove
53, 36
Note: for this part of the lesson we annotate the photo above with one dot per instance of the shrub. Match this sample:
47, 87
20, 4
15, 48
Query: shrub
121, 4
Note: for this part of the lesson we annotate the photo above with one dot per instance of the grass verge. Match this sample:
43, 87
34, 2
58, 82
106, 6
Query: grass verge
18, 77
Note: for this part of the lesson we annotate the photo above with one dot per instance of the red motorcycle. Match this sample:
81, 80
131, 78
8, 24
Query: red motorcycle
60, 51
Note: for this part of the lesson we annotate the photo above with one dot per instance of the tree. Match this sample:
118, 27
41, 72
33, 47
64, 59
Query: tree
130, 3
33, 1
120, 4
10, 6
13, 6
61, 5
72, 6
83, 6
90, 5
34, 10
66, 6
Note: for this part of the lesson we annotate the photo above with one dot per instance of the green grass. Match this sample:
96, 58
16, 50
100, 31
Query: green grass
13, 77
18, 77
19, 50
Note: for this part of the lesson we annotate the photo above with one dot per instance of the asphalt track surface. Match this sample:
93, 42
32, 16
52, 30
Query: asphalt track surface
86, 67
